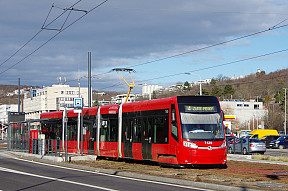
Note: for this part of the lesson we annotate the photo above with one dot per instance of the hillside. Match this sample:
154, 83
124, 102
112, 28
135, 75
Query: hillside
267, 88
4, 99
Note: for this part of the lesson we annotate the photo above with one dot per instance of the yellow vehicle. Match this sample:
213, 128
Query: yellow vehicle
259, 133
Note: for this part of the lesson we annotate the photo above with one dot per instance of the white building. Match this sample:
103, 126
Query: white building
246, 112
15, 92
4, 109
121, 99
197, 83
149, 89
53, 98
104, 102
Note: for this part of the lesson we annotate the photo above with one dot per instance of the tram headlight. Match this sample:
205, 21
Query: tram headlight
190, 145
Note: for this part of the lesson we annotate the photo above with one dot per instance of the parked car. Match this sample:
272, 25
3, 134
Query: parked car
267, 139
230, 139
280, 143
259, 133
245, 145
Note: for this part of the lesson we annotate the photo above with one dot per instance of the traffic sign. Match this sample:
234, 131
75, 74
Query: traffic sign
78, 102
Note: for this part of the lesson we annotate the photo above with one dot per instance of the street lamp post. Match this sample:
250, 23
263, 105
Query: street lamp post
285, 113
188, 73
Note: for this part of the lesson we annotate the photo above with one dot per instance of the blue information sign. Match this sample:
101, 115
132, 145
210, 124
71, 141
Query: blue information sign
78, 102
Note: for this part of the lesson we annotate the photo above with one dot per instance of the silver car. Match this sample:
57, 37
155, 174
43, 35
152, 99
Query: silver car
245, 146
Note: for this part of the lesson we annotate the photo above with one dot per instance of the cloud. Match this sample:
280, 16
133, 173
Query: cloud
126, 33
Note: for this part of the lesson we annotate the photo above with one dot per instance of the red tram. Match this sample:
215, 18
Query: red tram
180, 131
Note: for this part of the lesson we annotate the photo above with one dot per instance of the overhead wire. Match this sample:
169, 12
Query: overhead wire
38, 32
215, 66
35, 50
278, 24
221, 43
210, 46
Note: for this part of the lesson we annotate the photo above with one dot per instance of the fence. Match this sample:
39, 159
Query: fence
48, 147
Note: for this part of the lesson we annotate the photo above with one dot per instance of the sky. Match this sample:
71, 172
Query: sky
160, 40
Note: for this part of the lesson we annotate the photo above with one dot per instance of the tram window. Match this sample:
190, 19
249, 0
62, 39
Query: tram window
137, 131
150, 130
125, 130
103, 131
161, 130
113, 124
174, 125
72, 129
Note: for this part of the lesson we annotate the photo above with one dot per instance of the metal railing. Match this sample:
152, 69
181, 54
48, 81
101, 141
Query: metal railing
48, 147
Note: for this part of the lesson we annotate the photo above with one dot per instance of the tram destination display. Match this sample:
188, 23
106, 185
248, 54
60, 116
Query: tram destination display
189, 108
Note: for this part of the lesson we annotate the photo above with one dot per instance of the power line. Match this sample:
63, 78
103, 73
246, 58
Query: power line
216, 66
206, 68
38, 32
210, 46
206, 47
53, 37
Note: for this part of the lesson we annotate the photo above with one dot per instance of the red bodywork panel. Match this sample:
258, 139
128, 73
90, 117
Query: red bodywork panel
173, 153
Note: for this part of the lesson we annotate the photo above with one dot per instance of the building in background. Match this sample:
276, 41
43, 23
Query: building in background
147, 90
4, 109
54, 98
121, 98
248, 114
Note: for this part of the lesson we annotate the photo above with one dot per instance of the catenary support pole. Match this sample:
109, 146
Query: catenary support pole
18, 94
89, 80
285, 123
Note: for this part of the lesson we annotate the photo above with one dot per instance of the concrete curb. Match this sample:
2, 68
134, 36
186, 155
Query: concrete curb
248, 158
55, 159
60, 162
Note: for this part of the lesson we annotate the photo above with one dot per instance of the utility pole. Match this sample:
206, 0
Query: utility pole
89, 79
66, 135
285, 123
200, 84
18, 94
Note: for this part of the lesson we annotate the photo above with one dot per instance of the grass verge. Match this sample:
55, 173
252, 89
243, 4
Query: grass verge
270, 158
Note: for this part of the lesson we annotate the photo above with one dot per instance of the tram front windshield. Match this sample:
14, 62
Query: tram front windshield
201, 123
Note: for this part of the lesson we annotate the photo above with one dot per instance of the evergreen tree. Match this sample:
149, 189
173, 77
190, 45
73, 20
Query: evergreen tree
96, 103
186, 86
213, 82
204, 92
228, 90
216, 91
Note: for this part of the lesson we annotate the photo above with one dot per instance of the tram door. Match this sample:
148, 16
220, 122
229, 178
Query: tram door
92, 140
127, 139
147, 138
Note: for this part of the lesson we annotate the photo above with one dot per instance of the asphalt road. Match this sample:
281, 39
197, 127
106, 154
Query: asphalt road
18, 174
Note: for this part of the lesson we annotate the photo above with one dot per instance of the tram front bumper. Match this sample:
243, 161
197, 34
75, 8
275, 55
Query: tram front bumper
208, 155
